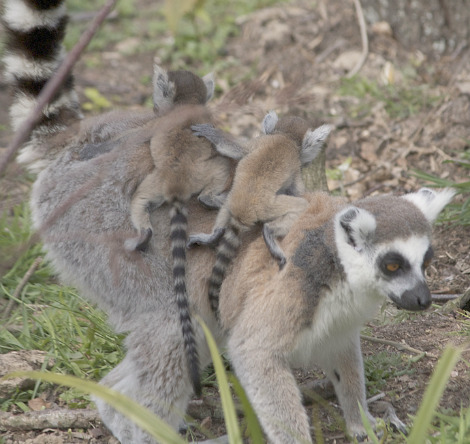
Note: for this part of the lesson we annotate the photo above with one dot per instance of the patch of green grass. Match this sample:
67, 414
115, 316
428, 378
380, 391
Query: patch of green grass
199, 40
48, 316
400, 101
382, 366
112, 31
451, 428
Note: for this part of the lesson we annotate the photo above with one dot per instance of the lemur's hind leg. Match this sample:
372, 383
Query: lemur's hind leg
153, 373
210, 240
146, 198
284, 212
212, 201
273, 246
218, 231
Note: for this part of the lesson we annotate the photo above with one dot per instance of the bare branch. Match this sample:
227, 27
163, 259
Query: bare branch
54, 84
49, 419
398, 345
364, 39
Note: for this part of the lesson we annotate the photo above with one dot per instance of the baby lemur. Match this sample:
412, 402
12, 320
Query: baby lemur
266, 188
183, 166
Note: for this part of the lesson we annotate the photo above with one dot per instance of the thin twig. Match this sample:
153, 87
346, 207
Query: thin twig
376, 397
19, 288
397, 345
444, 297
53, 85
364, 39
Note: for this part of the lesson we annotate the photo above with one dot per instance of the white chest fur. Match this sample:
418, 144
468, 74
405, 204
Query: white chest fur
339, 315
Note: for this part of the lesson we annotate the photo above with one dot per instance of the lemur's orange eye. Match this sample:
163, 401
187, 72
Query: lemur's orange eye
393, 267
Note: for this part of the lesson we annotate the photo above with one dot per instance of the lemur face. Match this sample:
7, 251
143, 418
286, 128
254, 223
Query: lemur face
384, 245
400, 269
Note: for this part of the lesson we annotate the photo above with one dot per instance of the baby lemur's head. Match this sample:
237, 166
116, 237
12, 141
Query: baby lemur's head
180, 87
292, 126
298, 130
189, 88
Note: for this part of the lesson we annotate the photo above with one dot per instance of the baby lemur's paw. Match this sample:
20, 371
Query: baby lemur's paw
212, 201
141, 242
211, 240
210, 132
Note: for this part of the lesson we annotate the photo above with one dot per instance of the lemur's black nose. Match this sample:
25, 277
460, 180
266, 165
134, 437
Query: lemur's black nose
417, 298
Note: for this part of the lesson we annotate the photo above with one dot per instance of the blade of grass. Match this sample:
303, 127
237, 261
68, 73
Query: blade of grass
429, 404
230, 414
253, 426
368, 426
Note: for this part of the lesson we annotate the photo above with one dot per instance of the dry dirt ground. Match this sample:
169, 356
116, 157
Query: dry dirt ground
293, 59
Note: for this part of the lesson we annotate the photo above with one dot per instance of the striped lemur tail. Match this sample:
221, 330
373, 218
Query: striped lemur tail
226, 250
178, 238
34, 50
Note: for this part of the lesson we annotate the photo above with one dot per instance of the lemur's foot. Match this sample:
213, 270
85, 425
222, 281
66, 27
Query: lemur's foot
141, 242
211, 240
273, 246
281, 261
212, 201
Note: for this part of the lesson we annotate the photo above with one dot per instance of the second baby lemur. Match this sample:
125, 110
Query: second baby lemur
267, 188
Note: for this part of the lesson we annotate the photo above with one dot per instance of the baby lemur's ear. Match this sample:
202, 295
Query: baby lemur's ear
312, 143
163, 90
209, 81
430, 202
355, 227
269, 122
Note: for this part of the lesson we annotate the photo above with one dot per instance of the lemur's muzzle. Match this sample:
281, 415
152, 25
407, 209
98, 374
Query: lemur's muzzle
415, 299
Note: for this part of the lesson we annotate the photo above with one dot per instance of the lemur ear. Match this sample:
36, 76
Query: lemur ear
269, 122
312, 143
163, 90
431, 202
356, 227
209, 81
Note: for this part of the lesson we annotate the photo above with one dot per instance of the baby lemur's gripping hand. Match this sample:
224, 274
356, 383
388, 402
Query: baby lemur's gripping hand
209, 131
141, 242
224, 143
211, 240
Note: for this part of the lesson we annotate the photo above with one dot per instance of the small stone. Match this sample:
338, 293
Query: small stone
382, 28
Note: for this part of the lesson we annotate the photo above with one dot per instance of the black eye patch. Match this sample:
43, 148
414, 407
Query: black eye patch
428, 257
393, 264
